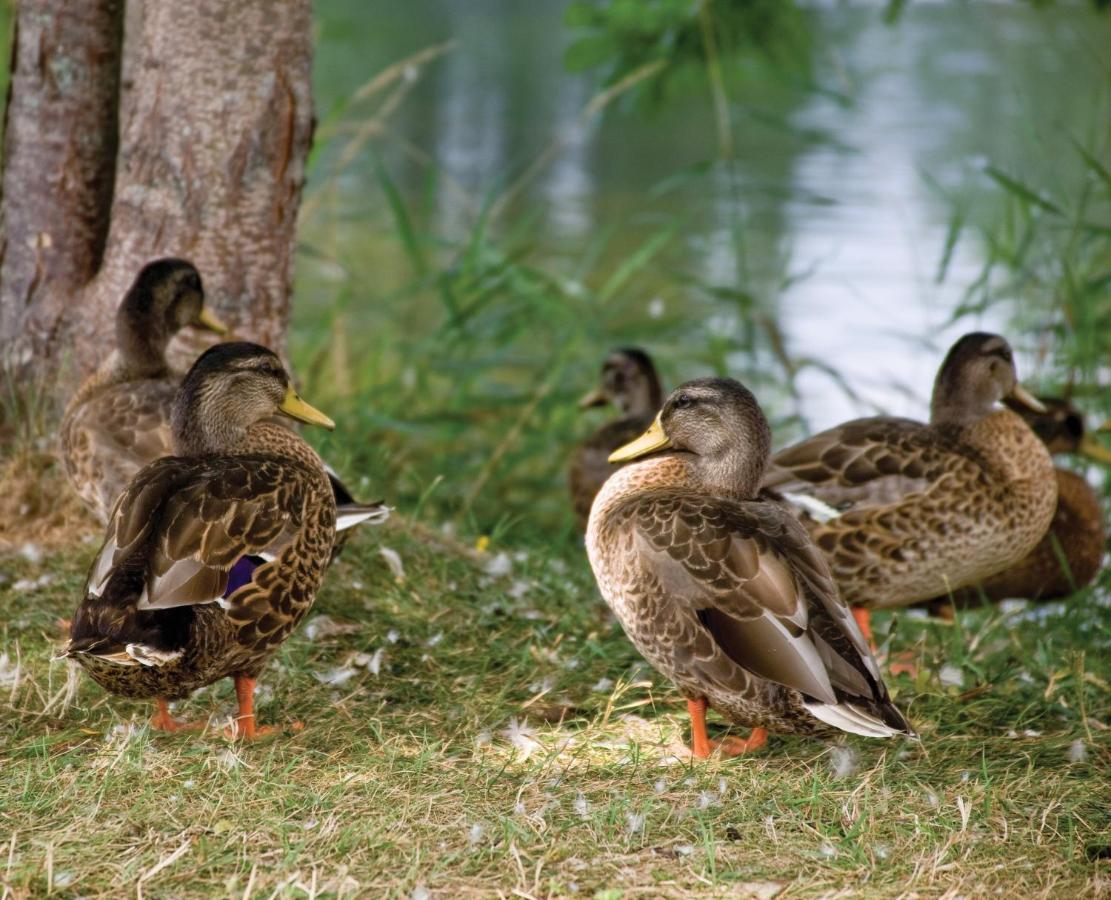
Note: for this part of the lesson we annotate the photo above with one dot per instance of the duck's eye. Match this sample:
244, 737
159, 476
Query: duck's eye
684, 401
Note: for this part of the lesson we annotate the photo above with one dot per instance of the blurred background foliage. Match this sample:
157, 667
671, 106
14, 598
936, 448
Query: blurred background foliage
815, 199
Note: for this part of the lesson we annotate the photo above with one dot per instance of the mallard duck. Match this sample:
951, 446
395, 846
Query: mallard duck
629, 382
916, 510
119, 420
724, 592
211, 556
1068, 557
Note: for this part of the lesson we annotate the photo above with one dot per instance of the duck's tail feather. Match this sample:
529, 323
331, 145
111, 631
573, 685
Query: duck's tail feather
855, 719
348, 515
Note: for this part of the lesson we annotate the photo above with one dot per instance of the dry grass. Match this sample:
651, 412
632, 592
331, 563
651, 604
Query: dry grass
510, 743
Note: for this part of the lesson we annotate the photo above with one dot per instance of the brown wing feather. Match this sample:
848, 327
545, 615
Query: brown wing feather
747, 572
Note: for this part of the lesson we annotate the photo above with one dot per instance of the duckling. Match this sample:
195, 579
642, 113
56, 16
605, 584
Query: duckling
721, 589
1070, 554
919, 510
213, 555
629, 382
119, 420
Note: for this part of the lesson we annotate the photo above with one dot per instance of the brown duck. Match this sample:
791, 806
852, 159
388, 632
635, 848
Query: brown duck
119, 420
211, 556
1070, 554
914, 510
723, 591
630, 384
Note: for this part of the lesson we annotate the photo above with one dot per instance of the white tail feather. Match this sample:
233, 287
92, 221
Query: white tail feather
850, 719
349, 518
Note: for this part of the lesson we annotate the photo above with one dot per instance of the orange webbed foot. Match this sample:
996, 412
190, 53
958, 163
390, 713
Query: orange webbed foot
738, 746
163, 721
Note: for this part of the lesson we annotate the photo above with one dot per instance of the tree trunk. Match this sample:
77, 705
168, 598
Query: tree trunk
59, 160
215, 124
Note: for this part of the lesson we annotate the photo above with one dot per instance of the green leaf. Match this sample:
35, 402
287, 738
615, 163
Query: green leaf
590, 51
409, 236
1020, 190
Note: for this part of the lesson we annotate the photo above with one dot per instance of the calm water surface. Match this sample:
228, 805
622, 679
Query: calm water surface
828, 183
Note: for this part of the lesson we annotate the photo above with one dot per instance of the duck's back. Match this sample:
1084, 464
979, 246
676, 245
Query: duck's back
155, 620
110, 431
919, 510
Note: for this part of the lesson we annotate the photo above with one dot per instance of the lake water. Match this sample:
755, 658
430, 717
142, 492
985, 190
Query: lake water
831, 185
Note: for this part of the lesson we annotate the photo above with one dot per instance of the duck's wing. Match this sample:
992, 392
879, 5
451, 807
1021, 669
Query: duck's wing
174, 537
747, 573
110, 438
857, 465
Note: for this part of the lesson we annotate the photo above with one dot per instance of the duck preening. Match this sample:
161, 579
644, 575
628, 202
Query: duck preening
630, 384
214, 554
724, 592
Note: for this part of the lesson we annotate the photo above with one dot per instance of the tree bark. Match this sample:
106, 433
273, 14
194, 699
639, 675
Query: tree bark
59, 160
215, 125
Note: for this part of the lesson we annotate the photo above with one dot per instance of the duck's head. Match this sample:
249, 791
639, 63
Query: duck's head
977, 373
167, 295
229, 388
1062, 428
629, 382
718, 428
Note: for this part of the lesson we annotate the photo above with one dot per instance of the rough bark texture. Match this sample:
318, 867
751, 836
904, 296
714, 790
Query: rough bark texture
215, 124
59, 160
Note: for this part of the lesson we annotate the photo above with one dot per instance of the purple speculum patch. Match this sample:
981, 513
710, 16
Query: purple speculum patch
241, 573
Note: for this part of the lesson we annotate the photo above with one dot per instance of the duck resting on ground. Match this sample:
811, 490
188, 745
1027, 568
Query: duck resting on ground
723, 591
913, 510
630, 384
1070, 554
211, 556
119, 420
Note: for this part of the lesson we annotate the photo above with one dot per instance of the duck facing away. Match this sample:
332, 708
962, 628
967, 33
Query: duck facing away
211, 556
630, 384
920, 510
1070, 554
118, 421
723, 592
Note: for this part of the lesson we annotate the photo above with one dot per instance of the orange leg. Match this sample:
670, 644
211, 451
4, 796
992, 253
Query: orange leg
864, 621
905, 663
245, 726
702, 746
163, 721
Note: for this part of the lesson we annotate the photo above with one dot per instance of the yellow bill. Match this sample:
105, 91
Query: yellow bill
652, 440
596, 397
1094, 450
296, 408
1023, 396
206, 318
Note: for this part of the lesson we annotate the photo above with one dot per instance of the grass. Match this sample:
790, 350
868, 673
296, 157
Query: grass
512, 742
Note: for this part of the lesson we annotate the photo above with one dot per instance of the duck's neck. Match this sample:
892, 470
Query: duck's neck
731, 478
643, 398
139, 355
201, 428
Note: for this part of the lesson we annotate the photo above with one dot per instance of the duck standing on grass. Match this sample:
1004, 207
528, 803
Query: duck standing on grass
211, 556
723, 592
629, 382
914, 511
119, 420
